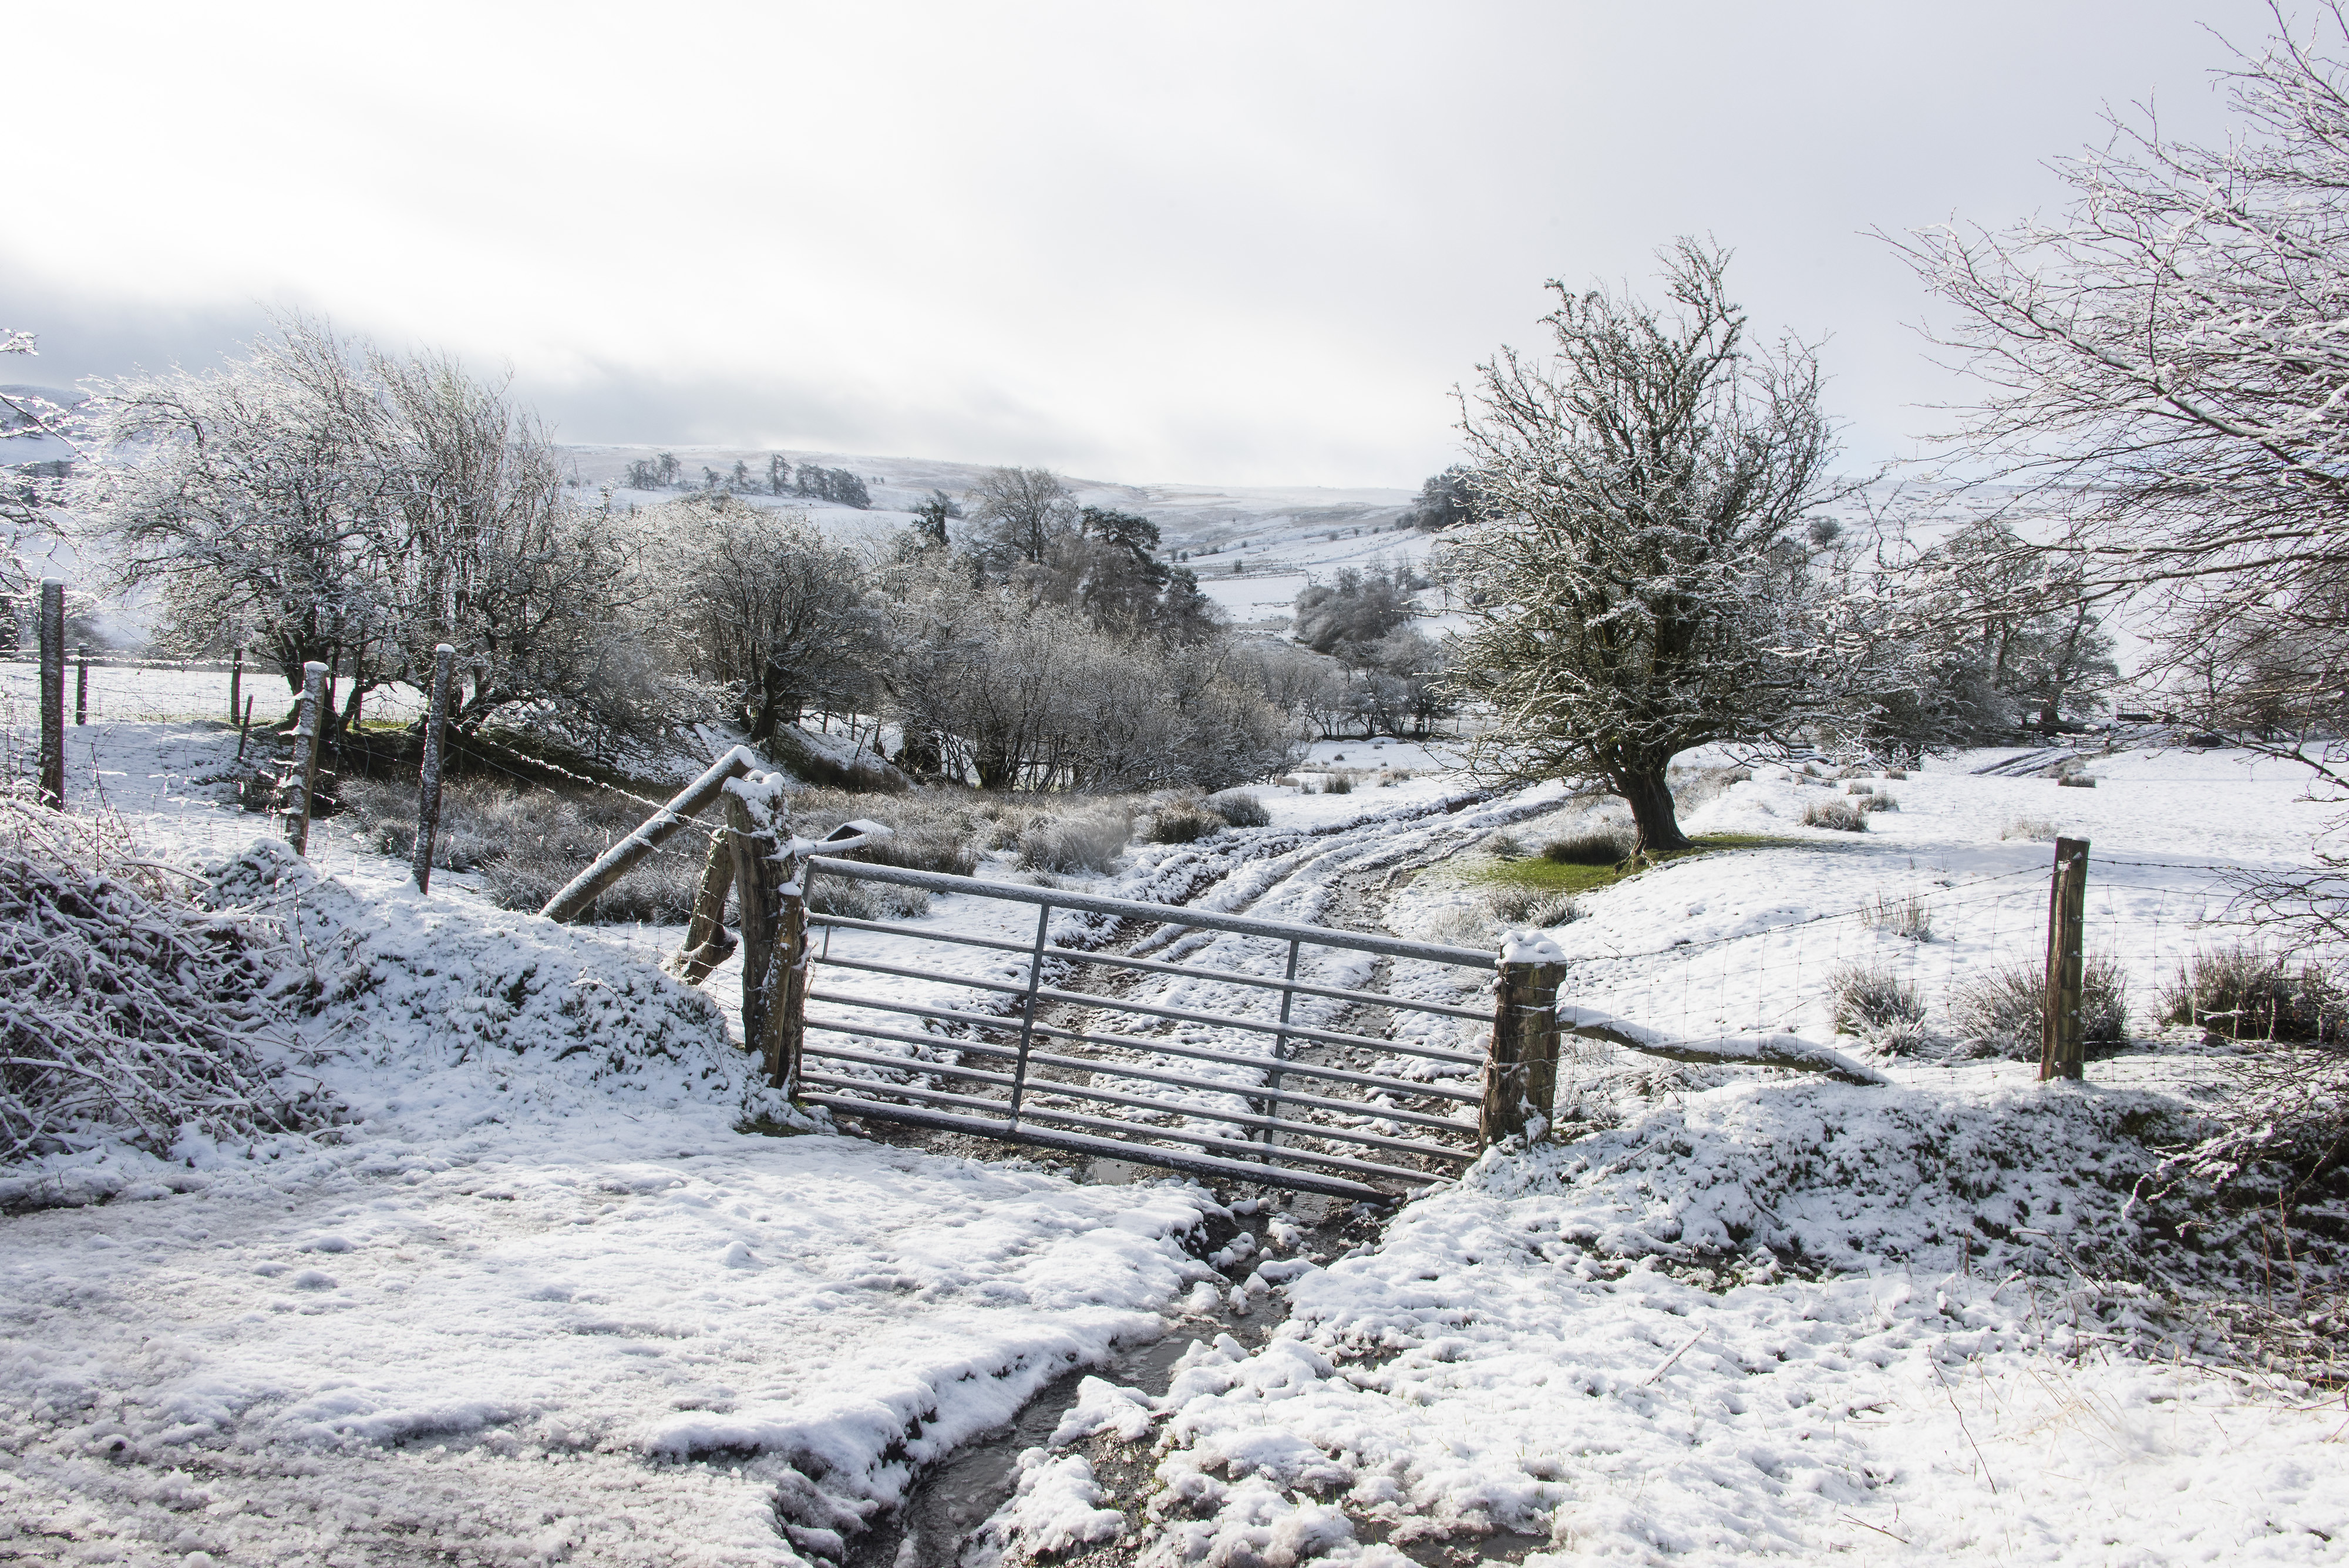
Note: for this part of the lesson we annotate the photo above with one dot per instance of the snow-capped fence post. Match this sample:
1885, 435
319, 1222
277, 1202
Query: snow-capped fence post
427, 793
303, 779
53, 692
235, 683
771, 883
1521, 1068
2068, 909
81, 684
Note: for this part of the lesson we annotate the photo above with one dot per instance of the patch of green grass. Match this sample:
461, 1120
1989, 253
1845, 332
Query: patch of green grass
1550, 877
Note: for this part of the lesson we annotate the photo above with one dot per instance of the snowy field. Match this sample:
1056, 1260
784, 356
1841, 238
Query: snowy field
539, 1300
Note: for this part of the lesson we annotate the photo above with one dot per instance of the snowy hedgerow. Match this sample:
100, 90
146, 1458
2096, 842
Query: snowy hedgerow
126, 1008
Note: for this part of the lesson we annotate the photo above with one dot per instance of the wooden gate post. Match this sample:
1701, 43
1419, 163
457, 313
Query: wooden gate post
2067, 907
53, 692
303, 778
771, 883
1521, 1070
428, 792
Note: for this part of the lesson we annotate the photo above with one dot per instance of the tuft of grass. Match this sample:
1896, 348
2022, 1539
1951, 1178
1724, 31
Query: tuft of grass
1240, 809
1338, 784
1591, 847
1528, 907
1905, 917
1835, 815
1181, 822
2076, 781
1896, 773
1088, 841
2241, 991
2030, 829
2005, 1007
1504, 846
1879, 803
1860, 789
1879, 1006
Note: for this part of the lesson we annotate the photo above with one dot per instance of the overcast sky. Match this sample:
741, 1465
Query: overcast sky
1243, 244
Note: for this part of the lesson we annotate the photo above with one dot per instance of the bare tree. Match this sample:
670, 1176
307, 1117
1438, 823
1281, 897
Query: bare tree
2165, 364
1642, 575
1017, 515
758, 602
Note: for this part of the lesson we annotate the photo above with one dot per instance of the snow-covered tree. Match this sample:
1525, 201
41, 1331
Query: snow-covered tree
1642, 569
2167, 362
1019, 514
1445, 501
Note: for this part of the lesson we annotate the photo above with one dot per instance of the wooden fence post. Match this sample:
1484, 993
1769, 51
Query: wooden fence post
53, 693
708, 943
428, 792
303, 778
2068, 909
1521, 1070
235, 684
771, 884
245, 731
81, 684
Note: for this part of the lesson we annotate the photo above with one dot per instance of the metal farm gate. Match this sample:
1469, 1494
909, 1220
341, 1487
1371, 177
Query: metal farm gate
1270, 1062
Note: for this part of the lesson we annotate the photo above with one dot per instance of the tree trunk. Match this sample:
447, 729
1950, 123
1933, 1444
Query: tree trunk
1644, 789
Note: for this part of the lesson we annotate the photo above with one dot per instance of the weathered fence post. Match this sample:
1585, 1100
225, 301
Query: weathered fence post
245, 731
2068, 909
53, 692
235, 684
770, 884
1521, 1071
81, 684
708, 943
303, 778
428, 792
578, 894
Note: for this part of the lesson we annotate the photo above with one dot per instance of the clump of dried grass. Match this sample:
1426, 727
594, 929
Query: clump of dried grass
1835, 815
1879, 1006
2005, 1007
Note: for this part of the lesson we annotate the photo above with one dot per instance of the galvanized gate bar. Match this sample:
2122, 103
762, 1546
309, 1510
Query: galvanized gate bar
1162, 914
1111, 1148
1125, 1124
1130, 1070
1146, 1045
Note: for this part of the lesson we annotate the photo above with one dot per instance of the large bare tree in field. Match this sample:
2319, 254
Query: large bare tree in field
2167, 362
1644, 574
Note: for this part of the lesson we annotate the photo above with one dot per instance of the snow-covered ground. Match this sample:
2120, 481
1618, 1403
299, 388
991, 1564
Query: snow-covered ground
539, 1299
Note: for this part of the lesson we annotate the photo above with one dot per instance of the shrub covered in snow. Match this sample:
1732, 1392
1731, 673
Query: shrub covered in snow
1240, 809
127, 1009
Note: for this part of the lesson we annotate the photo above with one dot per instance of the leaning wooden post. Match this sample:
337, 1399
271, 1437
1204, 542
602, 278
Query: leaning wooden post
303, 778
575, 896
81, 684
771, 884
1521, 1071
53, 693
2060, 1052
427, 793
706, 943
